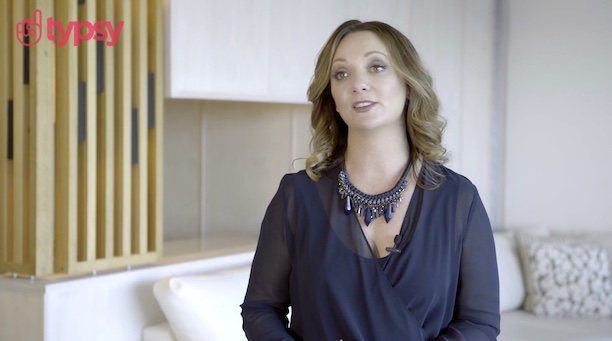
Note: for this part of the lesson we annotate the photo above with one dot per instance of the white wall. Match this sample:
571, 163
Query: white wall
559, 114
456, 41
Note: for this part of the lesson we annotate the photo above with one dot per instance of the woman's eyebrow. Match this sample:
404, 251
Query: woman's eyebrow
365, 55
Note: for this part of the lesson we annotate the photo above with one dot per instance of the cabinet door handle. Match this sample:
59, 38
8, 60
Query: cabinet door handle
99, 66
151, 100
26, 62
82, 111
134, 136
9, 127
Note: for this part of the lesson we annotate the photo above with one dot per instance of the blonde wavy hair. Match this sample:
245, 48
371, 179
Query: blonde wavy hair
424, 125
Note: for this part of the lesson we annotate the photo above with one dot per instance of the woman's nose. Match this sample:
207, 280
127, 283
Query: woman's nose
360, 84
361, 88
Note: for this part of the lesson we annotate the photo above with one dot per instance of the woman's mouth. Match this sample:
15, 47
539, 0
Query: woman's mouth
363, 105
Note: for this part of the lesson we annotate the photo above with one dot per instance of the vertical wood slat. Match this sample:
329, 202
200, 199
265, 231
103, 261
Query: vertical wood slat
9, 162
139, 101
41, 150
87, 148
92, 137
5, 53
66, 145
26, 153
106, 133
18, 140
81, 209
155, 63
123, 127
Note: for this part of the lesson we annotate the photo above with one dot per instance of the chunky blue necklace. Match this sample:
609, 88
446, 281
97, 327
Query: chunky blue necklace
371, 206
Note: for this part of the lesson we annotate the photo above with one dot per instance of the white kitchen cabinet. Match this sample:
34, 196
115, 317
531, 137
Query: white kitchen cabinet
265, 50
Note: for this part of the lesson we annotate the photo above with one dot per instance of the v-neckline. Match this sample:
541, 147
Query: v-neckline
403, 228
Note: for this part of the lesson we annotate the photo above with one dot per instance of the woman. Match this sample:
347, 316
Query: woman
415, 262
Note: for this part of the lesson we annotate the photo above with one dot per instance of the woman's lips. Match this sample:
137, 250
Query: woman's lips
363, 106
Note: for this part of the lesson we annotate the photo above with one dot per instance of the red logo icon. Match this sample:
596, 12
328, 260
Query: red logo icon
29, 29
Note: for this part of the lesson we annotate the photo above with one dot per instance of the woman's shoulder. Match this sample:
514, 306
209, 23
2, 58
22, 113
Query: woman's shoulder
301, 181
296, 179
455, 180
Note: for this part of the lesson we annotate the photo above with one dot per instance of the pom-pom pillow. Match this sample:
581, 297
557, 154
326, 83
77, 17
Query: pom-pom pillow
565, 278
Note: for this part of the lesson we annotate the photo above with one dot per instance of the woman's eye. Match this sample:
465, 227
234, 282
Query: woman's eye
378, 68
340, 75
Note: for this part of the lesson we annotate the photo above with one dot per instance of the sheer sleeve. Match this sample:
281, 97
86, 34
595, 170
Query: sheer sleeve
265, 307
476, 314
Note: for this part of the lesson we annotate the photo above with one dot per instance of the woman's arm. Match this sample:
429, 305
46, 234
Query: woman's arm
476, 316
265, 307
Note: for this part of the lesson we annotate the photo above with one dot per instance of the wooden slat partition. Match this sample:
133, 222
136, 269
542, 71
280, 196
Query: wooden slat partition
75, 195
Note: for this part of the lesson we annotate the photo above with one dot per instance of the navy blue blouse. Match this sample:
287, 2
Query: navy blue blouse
314, 258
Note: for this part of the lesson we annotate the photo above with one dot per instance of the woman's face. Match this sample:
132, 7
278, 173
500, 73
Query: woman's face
368, 92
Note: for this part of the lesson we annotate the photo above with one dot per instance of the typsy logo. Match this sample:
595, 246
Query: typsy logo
32, 29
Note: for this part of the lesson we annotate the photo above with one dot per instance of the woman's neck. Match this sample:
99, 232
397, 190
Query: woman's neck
375, 161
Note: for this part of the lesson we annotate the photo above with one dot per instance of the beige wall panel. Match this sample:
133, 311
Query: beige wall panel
248, 149
182, 162
300, 135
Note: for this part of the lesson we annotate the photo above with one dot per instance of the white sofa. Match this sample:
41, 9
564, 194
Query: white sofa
202, 307
520, 325
206, 307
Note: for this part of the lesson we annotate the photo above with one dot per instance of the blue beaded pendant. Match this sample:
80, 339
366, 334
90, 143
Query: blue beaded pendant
389, 213
347, 206
368, 216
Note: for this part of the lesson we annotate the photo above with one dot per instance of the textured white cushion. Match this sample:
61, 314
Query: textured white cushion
511, 287
519, 325
158, 332
565, 278
204, 307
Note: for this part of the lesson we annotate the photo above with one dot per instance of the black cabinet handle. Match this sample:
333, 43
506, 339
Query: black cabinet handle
82, 111
9, 127
134, 136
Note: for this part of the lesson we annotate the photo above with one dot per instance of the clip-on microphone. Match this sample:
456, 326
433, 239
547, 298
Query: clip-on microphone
396, 241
